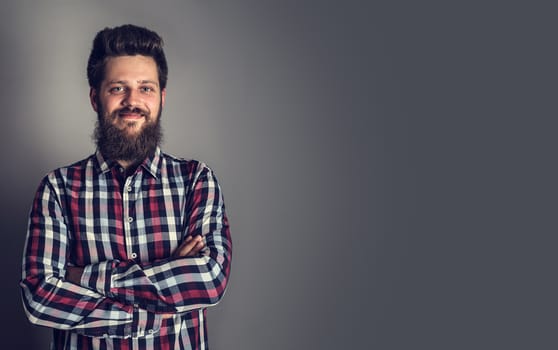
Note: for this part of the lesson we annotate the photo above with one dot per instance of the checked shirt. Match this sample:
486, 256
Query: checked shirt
123, 231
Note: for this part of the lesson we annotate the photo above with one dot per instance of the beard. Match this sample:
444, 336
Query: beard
117, 144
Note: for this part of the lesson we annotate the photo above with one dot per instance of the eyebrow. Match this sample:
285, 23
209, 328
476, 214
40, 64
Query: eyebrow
139, 82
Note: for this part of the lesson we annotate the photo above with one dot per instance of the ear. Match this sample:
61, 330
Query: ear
163, 95
93, 99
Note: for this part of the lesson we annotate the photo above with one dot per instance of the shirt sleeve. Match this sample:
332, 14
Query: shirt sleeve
182, 284
48, 299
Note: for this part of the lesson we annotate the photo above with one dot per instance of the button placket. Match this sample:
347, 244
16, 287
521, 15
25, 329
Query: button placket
128, 217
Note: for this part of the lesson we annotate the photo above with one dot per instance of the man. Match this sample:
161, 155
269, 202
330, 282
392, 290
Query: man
127, 248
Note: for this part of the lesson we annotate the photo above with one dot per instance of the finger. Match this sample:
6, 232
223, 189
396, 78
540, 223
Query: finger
199, 245
197, 248
185, 243
187, 246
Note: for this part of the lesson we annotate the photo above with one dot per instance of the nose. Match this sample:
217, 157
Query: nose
132, 99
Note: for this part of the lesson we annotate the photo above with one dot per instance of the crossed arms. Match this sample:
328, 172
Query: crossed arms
99, 298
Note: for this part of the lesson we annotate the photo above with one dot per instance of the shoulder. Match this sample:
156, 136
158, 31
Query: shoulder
190, 166
59, 179
73, 171
192, 169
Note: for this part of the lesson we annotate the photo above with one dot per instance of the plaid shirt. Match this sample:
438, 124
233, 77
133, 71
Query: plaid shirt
123, 231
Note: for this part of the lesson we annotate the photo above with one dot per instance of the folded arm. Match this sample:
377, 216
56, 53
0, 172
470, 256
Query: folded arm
49, 299
61, 296
182, 282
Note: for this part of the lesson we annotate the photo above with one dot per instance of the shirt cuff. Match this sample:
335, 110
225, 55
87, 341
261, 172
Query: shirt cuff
98, 276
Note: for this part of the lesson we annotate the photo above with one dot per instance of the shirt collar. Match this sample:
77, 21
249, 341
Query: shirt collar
152, 164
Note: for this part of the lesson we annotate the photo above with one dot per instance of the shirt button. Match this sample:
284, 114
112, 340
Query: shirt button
129, 188
130, 219
134, 255
150, 331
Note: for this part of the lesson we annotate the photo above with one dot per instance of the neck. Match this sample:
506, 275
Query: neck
127, 164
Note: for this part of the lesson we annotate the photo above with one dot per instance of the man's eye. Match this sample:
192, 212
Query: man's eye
147, 89
116, 90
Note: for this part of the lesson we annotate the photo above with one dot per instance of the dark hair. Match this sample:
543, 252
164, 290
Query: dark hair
125, 40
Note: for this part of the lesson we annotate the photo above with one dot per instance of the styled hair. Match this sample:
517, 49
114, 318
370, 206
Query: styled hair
125, 40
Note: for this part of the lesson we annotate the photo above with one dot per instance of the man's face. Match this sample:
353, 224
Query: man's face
129, 96
128, 103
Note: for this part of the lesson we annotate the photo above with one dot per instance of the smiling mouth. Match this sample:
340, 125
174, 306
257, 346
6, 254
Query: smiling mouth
131, 114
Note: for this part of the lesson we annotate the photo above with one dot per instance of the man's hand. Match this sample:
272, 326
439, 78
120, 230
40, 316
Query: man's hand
190, 247
73, 274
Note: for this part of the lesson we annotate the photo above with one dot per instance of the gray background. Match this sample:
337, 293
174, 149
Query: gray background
388, 166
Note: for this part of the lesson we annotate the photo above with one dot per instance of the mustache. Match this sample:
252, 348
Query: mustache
134, 110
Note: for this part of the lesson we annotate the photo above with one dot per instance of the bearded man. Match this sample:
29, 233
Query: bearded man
127, 248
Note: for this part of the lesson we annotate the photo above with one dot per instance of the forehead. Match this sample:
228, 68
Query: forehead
131, 68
